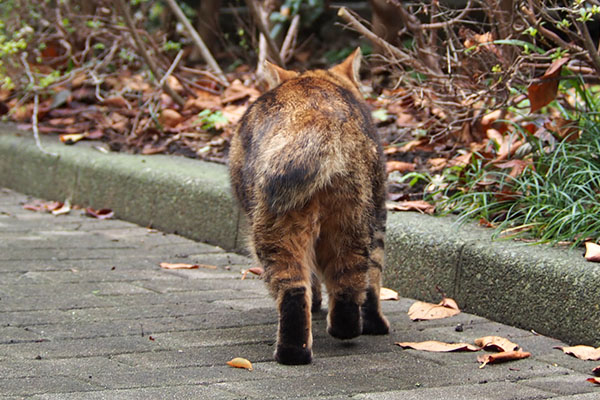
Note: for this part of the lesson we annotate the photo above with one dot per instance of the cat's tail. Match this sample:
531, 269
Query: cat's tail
292, 172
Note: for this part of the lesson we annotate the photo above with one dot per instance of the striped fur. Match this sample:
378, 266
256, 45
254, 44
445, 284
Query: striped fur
307, 168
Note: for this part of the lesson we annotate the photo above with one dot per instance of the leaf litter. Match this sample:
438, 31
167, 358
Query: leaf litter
239, 362
427, 311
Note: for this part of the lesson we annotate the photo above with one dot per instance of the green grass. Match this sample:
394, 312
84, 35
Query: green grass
555, 199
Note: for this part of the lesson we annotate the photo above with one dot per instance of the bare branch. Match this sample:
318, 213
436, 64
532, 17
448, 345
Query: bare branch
197, 40
262, 27
290, 38
36, 102
124, 10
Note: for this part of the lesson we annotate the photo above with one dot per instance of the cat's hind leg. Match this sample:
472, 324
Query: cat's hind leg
284, 245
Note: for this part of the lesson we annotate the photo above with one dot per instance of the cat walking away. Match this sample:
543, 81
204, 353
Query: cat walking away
307, 169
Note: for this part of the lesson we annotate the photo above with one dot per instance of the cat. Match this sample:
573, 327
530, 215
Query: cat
307, 169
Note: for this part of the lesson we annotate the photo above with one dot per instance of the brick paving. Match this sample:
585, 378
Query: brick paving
87, 313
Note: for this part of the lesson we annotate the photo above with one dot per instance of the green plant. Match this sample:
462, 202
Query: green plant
209, 120
554, 196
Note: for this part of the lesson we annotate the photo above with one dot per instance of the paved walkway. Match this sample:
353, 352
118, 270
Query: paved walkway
86, 313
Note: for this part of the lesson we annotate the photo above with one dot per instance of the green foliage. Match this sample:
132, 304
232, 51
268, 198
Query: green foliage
208, 119
170, 45
557, 195
309, 9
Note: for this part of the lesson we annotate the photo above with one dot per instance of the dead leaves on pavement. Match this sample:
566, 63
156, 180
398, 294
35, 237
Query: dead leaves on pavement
421, 310
239, 362
502, 357
581, 352
496, 343
166, 265
438, 347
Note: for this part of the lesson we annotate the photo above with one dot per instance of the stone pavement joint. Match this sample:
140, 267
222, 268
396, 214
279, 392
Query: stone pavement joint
86, 313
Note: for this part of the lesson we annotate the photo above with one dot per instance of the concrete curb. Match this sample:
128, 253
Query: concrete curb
552, 291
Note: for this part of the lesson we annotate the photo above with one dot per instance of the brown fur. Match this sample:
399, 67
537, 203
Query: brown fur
306, 166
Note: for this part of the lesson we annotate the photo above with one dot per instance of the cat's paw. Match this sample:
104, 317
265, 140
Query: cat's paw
292, 355
344, 320
375, 324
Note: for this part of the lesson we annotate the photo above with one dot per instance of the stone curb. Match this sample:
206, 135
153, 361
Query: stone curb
552, 291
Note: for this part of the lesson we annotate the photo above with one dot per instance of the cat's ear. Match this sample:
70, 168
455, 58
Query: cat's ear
274, 74
349, 67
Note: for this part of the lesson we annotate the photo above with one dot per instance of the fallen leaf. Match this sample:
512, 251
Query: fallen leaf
435, 346
170, 118
582, 352
592, 252
497, 343
240, 362
103, 213
411, 205
237, 91
596, 371
178, 266
47, 206
387, 294
254, 270
116, 101
542, 93
502, 357
517, 166
71, 138
426, 311
594, 380
400, 166
64, 209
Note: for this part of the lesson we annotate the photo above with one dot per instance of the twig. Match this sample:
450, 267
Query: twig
171, 68
204, 73
140, 45
589, 45
36, 102
197, 40
290, 38
262, 27
391, 49
458, 18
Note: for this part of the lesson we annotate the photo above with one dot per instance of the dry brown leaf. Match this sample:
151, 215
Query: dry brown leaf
254, 270
71, 138
64, 209
411, 205
388, 294
240, 362
399, 166
502, 357
170, 118
435, 346
542, 93
116, 101
47, 206
421, 310
237, 91
103, 213
204, 100
178, 266
497, 343
582, 352
592, 252
518, 166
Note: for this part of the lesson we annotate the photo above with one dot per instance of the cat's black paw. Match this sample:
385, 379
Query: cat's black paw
375, 324
292, 355
315, 306
344, 320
